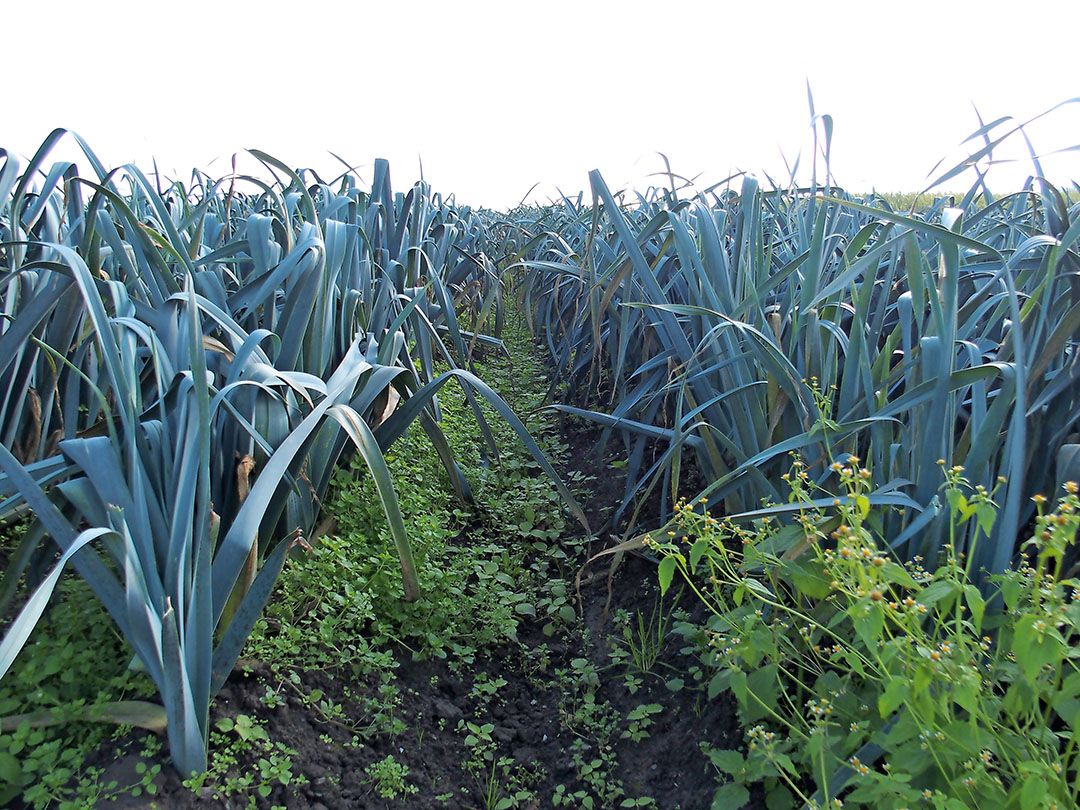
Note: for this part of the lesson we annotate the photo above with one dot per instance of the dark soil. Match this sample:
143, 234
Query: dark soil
667, 765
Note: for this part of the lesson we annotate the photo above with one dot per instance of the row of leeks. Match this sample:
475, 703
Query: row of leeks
742, 324
182, 369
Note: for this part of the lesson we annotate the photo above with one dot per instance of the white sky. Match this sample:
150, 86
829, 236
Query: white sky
495, 97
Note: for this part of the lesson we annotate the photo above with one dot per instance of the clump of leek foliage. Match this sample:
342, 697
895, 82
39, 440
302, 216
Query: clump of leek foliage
186, 365
716, 328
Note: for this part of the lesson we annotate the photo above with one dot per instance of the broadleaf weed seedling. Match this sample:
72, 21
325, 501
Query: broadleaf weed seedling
389, 778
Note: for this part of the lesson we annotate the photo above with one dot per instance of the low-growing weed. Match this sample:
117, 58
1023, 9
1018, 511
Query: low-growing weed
388, 777
74, 661
245, 764
639, 720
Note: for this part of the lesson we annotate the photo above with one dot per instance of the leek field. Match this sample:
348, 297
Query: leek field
318, 491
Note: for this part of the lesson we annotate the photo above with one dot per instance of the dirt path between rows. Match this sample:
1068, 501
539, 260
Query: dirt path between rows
557, 726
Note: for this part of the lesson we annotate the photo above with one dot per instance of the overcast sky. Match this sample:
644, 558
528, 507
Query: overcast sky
494, 97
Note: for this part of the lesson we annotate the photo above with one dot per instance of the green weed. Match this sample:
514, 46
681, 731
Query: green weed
884, 684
